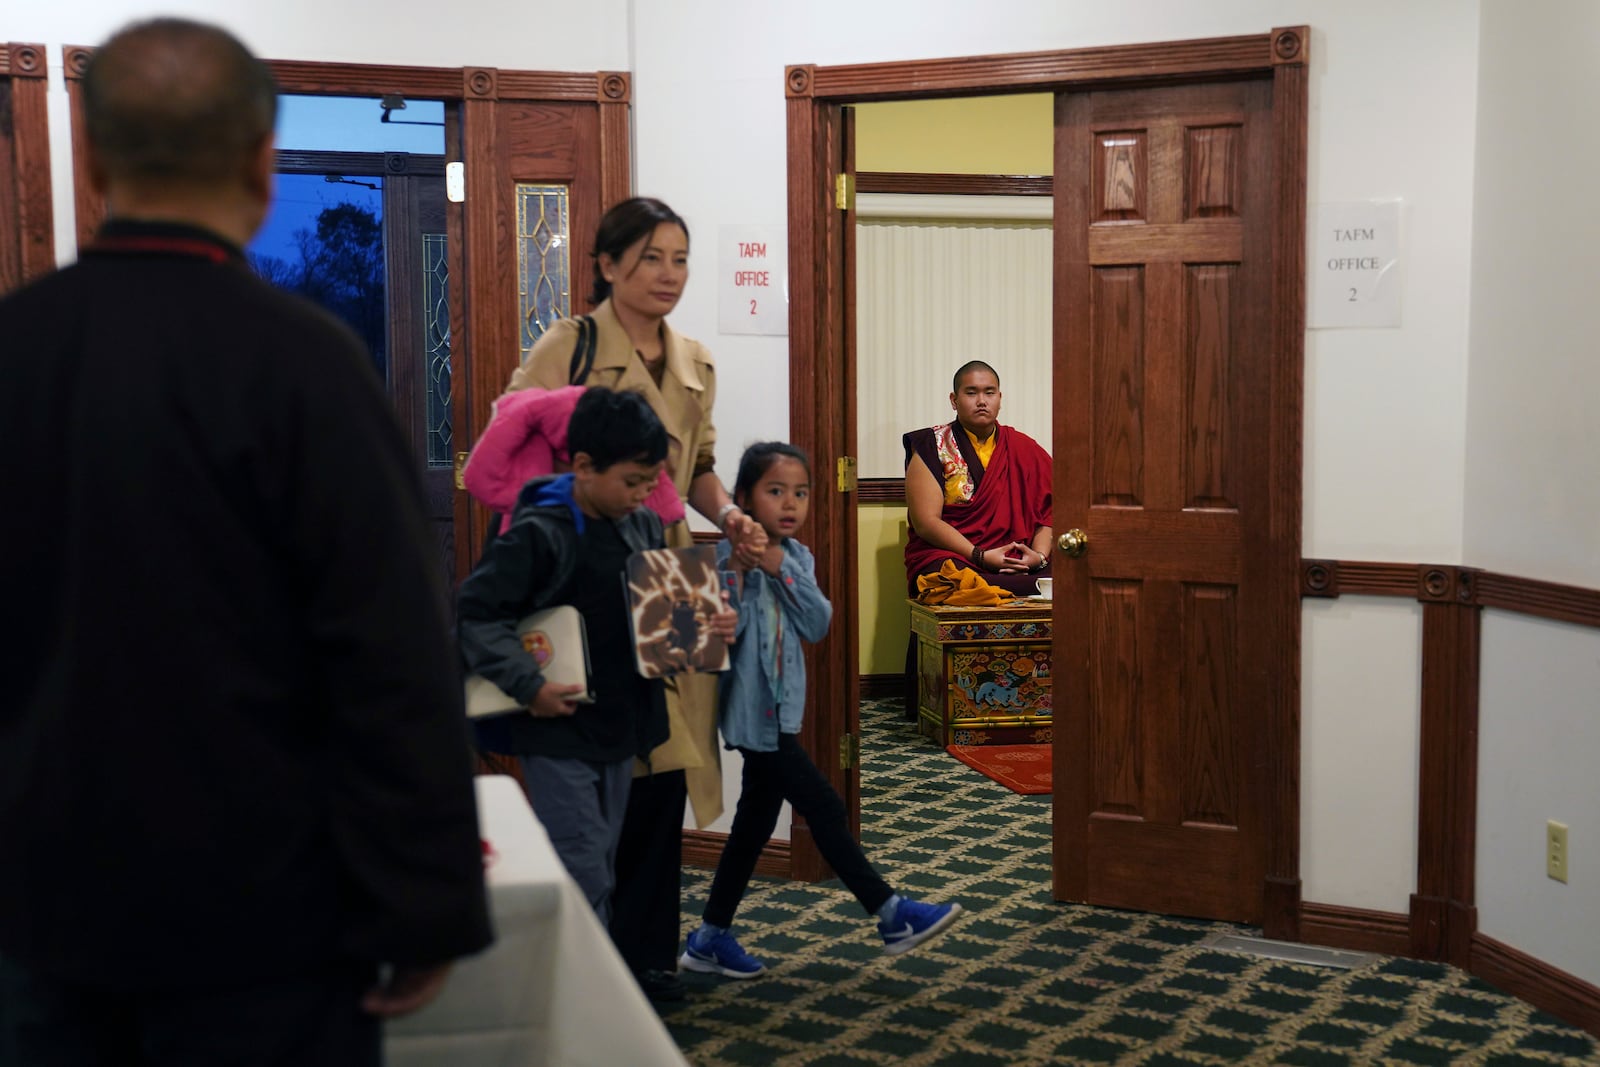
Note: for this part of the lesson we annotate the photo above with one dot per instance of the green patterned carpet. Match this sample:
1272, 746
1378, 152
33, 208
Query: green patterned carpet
1022, 980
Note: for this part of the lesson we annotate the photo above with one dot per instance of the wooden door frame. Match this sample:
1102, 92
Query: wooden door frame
28, 249
478, 323
819, 374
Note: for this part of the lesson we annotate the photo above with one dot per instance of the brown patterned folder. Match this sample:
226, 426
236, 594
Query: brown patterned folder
672, 594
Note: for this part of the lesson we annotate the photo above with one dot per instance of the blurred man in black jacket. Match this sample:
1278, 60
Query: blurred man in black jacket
236, 815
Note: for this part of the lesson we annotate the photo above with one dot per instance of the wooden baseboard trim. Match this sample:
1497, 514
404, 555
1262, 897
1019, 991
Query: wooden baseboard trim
703, 848
1355, 929
1567, 997
882, 686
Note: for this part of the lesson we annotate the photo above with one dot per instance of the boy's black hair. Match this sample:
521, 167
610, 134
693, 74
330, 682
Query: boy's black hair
759, 458
967, 368
614, 426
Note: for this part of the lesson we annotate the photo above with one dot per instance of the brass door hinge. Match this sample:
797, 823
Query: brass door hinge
461, 465
845, 468
844, 191
849, 751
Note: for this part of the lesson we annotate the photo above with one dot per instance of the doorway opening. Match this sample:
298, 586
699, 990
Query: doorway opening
1249, 586
358, 225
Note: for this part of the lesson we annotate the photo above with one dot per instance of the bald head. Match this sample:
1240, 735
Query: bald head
174, 101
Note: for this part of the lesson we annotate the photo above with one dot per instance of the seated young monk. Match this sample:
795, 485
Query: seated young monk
977, 492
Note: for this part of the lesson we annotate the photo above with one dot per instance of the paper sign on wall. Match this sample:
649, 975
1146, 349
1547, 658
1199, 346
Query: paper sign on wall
753, 280
1355, 265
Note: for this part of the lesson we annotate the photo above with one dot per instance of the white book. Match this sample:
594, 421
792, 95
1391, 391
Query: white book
556, 639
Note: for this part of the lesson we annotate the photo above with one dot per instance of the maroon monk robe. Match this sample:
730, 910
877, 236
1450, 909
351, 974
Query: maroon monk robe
1010, 500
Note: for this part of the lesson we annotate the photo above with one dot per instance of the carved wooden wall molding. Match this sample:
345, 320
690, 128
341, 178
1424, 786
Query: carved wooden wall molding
954, 184
296, 161
27, 214
1546, 600
1442, 923
1563, 995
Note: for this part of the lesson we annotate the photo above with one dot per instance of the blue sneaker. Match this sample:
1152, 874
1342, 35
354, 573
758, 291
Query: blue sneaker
914, 923
718, 955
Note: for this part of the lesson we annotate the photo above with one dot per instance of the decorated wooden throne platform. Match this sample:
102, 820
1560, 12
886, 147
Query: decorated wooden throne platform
983, 674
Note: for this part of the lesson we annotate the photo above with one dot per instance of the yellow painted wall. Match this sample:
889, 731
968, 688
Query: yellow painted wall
966, 135
885, 622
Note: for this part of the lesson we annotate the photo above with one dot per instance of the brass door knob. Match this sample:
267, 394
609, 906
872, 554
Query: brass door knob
1073, 543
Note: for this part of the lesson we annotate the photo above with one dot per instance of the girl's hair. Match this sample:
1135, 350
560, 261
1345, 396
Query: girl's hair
759, 458
623, 225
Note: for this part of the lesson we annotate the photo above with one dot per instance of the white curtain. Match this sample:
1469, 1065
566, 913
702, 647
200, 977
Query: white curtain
941, 280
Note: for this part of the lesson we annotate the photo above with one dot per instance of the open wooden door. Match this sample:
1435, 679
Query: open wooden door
1164, 626
822, 418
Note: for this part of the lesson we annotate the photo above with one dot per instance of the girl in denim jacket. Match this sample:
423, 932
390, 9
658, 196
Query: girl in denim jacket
763, 695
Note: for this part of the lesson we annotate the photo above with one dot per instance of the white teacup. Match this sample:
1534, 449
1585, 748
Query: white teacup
1044, 587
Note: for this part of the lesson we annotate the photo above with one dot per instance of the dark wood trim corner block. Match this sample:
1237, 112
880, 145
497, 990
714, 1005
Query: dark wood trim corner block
75, 60
1561, 994
1291, 46
1438, 584
613, 87
797, 79
19, 60
479, 83
1319, 577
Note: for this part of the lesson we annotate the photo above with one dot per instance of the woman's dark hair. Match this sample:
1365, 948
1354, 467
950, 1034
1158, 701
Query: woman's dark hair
621, 227
759, 458
615, 426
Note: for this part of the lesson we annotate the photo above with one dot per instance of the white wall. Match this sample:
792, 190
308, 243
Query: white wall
1532, 495
1361, 682
1538, 739
1392, 110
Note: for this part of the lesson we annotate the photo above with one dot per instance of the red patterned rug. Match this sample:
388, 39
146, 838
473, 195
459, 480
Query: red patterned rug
1020, 768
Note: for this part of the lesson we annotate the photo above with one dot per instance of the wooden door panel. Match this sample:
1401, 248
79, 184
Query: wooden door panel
1161, 218
542, 139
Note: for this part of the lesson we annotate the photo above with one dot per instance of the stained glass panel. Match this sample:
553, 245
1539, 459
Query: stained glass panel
436, 346
544, 259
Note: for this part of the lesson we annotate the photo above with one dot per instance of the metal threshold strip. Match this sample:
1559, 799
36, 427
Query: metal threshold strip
1289, 951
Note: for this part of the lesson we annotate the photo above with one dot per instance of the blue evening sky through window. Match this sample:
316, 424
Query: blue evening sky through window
338, 124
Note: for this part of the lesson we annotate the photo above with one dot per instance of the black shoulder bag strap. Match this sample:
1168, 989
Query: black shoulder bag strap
583, 351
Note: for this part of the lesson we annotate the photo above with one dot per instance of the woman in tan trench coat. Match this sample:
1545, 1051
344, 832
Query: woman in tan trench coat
641, 254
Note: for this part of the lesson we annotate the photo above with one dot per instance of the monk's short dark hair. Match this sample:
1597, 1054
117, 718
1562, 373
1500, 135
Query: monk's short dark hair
173, 99
967, 368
